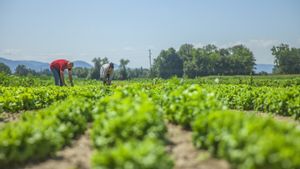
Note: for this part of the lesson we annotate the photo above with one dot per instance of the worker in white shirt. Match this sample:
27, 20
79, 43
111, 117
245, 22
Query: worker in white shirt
106, 73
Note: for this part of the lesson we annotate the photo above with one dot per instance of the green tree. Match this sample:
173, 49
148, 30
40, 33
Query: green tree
287, 60
123, 71
95, 71
4, 69
223, 64
185, 51
242, 61
138, 73
46, 72
202, 61
208, 60
81, 72
168, 64
21, 70
186, 54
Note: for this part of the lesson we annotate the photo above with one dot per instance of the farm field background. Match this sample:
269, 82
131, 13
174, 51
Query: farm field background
137, 123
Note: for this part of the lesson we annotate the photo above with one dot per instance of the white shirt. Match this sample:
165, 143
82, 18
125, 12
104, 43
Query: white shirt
104, 70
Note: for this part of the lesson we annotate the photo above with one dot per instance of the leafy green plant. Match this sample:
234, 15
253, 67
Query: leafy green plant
145, 154
185, 103
13, 99
40, 134
128, 132
248, 142
125, 119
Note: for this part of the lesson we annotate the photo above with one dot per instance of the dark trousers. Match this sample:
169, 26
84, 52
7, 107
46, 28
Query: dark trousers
56, 74
106, 79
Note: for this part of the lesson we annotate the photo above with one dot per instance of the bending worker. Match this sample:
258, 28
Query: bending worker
106, 73
57, 67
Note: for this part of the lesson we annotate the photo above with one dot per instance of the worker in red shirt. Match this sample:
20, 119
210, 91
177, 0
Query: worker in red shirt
57, 67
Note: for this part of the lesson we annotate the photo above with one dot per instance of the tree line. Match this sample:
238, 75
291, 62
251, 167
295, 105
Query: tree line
191, 62
209, 60
188, 61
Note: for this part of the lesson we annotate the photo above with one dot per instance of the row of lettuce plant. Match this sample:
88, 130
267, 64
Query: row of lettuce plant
38, 81
26, 81
128, 132
38, 135
246, 141
280, 101
271, 81
13, 99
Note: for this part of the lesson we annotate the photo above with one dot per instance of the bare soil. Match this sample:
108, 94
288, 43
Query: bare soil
6, 117
181, 149
185, 155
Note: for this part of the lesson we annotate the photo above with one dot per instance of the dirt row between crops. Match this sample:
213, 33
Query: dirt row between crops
180, 148
7, 117
185, 155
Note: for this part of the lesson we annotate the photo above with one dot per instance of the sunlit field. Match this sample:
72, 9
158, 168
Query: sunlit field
240, 122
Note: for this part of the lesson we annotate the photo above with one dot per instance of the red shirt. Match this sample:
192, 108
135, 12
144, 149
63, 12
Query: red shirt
60, 64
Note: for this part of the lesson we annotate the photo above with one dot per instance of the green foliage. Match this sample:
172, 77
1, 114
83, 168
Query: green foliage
81, 72
168, 64
4, 69
128, 129
270, 80
22, 70
145, 154
248, 142
138, 73
242, 60
185, 103
13, 99
208, 60
123, 71
287, 60
128, 132
281, 101
125, 118
95, 71
11, 80
38, 135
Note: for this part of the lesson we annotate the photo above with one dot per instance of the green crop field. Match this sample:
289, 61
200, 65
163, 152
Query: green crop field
127, 122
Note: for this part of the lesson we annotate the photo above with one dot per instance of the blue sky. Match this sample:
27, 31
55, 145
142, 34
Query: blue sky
44, 30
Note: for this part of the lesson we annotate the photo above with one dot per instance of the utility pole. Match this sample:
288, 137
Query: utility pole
150, 57
150, 61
